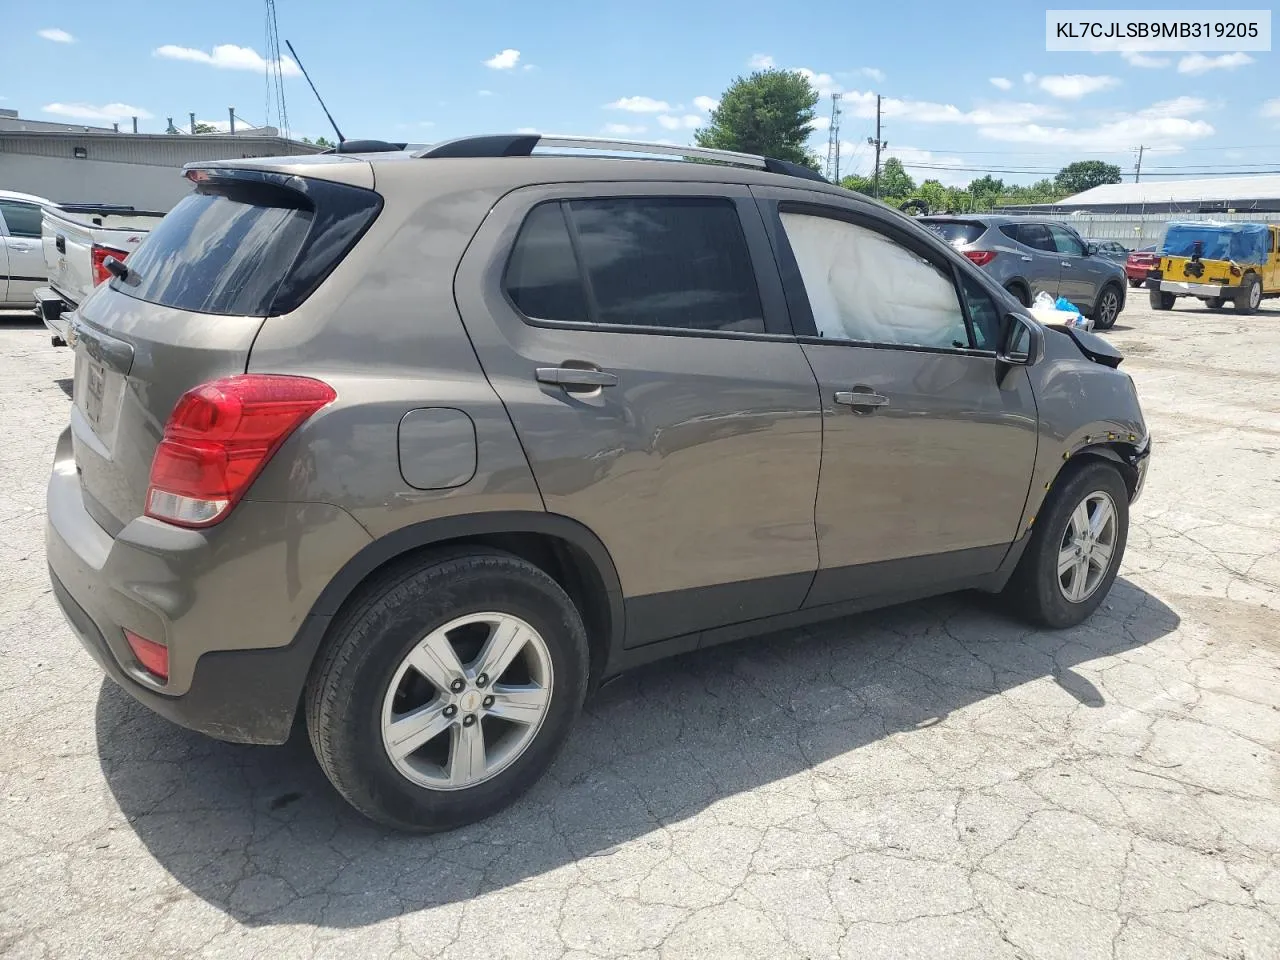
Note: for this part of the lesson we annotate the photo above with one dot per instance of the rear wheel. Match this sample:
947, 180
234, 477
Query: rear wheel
1020, 293
1134, 282
1075, 549
1107, 308
1161, 300
447, 690
1250, 296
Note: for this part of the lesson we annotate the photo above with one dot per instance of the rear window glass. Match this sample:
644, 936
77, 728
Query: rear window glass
248, 244
956, 231
671, 262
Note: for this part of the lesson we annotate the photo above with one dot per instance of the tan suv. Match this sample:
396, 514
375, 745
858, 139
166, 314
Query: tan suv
429, 443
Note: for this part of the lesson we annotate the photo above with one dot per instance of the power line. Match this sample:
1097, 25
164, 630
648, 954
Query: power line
1051, 171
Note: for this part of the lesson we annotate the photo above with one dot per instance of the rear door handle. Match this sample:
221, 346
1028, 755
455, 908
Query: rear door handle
861, 398
582, 378
1027, 259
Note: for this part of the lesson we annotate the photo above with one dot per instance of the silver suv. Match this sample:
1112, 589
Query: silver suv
423, 446
1026, 256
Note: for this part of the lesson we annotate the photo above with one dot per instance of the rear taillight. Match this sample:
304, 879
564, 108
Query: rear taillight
99, 257
980, 257
153, 656
219, 437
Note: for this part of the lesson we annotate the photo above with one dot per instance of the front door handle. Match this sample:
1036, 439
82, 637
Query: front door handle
1066, 263
861, 398
581, 378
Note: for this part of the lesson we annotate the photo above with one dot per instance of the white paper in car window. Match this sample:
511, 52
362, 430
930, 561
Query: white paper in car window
863, 286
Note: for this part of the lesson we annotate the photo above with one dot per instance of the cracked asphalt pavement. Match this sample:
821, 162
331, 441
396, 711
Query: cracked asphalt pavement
930, 781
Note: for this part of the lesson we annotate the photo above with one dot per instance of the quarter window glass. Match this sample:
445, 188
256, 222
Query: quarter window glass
668, 262
542, 275
22, 219
983, 313
864, 286
1066, 242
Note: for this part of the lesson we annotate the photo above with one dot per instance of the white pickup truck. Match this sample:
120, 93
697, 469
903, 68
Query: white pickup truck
77, 239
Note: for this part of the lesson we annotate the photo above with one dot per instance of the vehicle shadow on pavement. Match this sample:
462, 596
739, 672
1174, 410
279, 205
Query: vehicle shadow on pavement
259, 833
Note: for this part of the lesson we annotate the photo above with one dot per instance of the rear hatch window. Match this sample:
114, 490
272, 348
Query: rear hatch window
248, 243
956, 232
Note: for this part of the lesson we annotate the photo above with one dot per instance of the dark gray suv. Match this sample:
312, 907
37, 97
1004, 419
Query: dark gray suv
1027, 255
422, 446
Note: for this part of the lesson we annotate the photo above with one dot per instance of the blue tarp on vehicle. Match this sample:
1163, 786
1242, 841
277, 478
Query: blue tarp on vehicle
1241, 242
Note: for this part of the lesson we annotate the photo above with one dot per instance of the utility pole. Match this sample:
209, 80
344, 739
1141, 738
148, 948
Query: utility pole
879, 145
1137, 171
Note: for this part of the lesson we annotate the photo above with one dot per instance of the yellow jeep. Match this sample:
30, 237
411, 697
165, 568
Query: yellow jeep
1217, 262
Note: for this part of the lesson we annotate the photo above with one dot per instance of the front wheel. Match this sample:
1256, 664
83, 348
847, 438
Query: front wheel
1135, 283
1075, 549
1214, 303
1250, 298
447, 689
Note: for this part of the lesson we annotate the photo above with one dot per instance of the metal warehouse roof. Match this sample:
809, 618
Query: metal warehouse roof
1213, 189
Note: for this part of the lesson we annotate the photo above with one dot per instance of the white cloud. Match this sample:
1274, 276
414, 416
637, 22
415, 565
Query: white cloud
705, 104
821, 123
226, 56
640, 105
1271, 108
623, 129
856, 158
761, 61
107, 112
1164, 125
688, 122
1028, 78
862, 104
484, 93
824, 83
1144, 60
504, 60
1197, 63
875, 73
1001, 83
56, 35
1073, 86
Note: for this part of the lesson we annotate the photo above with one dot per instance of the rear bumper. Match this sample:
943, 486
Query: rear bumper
1184, 289
232, 604
50, 309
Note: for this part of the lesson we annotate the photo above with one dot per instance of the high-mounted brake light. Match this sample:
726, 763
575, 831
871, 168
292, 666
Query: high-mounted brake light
219, 437
99, 256
980, 257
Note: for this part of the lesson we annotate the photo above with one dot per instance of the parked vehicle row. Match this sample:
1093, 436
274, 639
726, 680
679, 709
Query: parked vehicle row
1028, 256
431, 444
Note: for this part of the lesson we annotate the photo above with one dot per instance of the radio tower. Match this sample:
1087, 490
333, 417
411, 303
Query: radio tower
833, 141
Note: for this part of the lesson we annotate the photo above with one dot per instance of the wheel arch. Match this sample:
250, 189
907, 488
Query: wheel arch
563, 548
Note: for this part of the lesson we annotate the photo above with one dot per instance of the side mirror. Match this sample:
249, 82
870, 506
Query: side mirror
1090, 249
1023, 342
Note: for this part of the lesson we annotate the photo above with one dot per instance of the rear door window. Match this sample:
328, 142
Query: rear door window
22, 219
1036, 236
246, 244
674, 262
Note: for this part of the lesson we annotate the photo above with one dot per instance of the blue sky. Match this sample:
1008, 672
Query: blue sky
964, 86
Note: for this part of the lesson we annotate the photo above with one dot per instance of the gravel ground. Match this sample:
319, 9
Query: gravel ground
934, 780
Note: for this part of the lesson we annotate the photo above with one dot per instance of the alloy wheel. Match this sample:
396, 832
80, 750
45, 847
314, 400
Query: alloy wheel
1088, 543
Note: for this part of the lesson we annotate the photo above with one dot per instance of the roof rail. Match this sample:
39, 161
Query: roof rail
523, 145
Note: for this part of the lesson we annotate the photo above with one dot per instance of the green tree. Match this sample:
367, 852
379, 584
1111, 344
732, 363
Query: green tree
768, 113
895, 183
1085, 175
202, 127
934, 194
857, 183
325, 142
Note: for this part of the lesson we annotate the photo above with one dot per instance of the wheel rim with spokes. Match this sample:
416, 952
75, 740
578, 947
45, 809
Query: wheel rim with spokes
1110, 307
467, 701
1087, 546
1255, 295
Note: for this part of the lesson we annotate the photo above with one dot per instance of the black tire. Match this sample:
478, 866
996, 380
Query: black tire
1161, 300
1020, 293
1250, 295
1034, 589
1104, 317
1215, 303
350, 679
1135, 283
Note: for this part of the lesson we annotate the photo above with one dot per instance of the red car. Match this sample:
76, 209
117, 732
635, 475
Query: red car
1138, 263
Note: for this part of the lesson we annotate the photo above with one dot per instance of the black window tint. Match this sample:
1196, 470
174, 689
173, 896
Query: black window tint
249, 243
669, 262
983, 313
1010, 230
1066, 242
1036, 236
542, 276
22, 219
